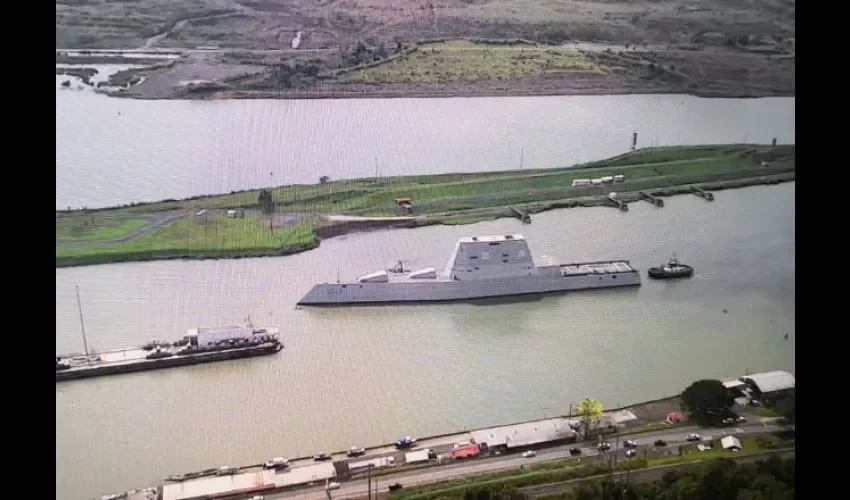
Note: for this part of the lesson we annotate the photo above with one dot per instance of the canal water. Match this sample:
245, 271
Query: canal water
365, 375
113, 151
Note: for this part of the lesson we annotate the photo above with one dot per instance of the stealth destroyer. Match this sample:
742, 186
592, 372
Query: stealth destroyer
480, 267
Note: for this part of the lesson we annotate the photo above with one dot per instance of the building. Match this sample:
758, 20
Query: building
247, 483
527, 434
214, 487
769, 386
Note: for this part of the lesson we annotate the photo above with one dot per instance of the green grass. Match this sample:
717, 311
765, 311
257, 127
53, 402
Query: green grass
467, 61
766, 412
105, 24
220, 234
94, 227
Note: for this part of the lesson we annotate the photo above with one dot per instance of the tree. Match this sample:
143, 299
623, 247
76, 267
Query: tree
265, 201
587, 409
705, 399
785, 408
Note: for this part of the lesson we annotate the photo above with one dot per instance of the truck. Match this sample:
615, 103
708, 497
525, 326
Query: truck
405, 442
419, 456
468, 451
375, 463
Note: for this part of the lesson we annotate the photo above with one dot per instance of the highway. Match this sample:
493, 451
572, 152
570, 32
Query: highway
358, 488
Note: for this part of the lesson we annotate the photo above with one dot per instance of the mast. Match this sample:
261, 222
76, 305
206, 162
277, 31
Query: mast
82, 323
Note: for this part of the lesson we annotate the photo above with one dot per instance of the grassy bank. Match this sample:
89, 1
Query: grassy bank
170, 229
568, 469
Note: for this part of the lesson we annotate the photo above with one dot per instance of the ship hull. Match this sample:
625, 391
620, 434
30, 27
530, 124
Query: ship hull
456, 291
171, 362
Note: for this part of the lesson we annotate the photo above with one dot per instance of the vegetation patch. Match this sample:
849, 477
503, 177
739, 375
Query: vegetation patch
85, 227
468, 61
215, 236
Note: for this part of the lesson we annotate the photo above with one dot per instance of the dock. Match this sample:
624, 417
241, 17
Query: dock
521, 214
658, 202
708, 196
623, 206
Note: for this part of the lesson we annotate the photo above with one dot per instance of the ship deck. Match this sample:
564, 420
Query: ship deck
601, 267
113, 358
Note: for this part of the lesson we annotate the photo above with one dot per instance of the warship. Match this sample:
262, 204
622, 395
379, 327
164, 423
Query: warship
480, 267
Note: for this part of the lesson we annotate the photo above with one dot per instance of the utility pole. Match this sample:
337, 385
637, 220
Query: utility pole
521, 155
369, 480
82, 324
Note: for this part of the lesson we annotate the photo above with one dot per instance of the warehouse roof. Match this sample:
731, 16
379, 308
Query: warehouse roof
772, 381
525, 434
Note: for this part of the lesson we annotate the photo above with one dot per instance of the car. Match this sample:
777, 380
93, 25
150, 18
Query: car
355, 451
603, 446
257, 497
529, 454
321, 457
660, 442
276, 463
629, 443
575, 451
225, 470
693, 437
631, 452
395, 487
332, 486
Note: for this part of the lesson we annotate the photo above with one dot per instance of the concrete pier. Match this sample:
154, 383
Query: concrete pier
619, 204
521, 214
702, 193
658, 202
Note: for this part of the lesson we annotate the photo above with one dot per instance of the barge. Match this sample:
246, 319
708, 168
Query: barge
200, 345
480, 267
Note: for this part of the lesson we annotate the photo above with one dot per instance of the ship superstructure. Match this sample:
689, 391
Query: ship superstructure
479, 267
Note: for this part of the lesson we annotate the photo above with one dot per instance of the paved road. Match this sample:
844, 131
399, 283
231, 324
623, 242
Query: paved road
358, 488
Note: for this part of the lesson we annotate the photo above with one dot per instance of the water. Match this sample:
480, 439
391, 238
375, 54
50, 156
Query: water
113, 151
365, 375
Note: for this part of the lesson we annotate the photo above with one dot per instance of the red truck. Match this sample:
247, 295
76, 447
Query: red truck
468, 451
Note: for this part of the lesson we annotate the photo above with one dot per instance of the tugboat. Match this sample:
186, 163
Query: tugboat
672, 269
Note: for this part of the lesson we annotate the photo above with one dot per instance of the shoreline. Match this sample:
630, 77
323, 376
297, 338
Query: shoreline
344, 228
436, 94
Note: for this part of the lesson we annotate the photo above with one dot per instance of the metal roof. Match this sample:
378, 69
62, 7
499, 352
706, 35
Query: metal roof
730, 442
306, 474
772, 381
525, 434
210, 487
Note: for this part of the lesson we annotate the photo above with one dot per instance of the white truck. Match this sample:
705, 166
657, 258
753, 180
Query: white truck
418, 456
375, 463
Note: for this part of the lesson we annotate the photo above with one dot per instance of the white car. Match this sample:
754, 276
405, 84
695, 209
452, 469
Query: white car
276, 463
693, 437
331, 486
631, 452
629, 443
529, 454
